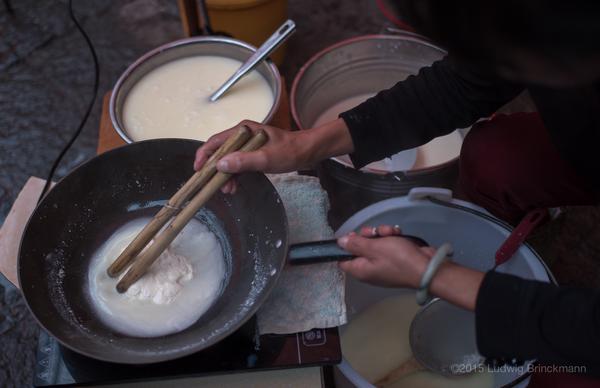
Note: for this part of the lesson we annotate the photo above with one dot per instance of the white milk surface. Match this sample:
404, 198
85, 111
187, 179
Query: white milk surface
172, 101
376, 342
178, 288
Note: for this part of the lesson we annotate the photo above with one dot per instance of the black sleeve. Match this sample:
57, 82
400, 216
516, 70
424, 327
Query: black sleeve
526, 319
441, 98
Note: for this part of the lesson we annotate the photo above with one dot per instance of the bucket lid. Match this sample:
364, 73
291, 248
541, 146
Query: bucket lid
433, 215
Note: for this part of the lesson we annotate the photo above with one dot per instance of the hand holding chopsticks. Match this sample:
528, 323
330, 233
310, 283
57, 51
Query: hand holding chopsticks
205, 183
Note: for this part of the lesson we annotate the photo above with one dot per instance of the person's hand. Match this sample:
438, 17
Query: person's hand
285, 151
383, 258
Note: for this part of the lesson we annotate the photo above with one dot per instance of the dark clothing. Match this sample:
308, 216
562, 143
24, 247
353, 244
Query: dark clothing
509, 165
516, 318
445, 96
534, 320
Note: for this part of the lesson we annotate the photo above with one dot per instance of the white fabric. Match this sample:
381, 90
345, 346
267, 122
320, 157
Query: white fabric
307, 296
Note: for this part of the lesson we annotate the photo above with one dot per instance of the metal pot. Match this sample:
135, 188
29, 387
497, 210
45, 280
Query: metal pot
434, 215
129, 182
205, 45
358, 66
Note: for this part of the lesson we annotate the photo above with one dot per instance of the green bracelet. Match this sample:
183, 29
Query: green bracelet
436, 261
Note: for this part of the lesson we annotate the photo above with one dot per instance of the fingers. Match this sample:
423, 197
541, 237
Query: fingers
207, 149
365, 244
357, 245
202, 155
214, 142
429, 251
360, 267
253, 125
230, 187
380, 231
237, 162
368, 231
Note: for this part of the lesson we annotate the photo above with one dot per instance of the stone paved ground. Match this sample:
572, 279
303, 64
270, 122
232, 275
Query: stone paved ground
45, 81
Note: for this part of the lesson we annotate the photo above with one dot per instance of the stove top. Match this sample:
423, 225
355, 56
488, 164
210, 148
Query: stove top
241, 351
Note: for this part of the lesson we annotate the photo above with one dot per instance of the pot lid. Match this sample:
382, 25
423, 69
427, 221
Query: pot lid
433, 215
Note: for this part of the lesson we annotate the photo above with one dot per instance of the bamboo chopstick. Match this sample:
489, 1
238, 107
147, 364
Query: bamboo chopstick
199, 179
162, 241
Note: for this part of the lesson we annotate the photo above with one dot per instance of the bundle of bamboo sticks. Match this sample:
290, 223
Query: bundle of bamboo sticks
139, 255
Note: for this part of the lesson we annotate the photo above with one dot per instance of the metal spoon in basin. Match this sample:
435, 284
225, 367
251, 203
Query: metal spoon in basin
263, 51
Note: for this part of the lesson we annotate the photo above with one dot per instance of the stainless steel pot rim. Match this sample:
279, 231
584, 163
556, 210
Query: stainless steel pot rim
398, 175
178, 43
166, 354
407, 36
404, 36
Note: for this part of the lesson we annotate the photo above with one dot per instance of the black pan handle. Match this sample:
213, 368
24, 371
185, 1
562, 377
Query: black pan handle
328, 250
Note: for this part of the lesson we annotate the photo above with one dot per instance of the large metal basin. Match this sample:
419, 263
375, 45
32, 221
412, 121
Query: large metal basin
358, 66
205, 45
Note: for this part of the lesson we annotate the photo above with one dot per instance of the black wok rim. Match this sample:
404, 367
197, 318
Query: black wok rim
152, 358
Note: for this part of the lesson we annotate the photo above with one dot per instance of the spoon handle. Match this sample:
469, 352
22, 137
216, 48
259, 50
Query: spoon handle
263, 51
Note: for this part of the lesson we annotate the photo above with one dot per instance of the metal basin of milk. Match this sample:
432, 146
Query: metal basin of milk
165, 91
171, 101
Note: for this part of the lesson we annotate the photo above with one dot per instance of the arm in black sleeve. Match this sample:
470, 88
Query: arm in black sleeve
433, 103
526, 319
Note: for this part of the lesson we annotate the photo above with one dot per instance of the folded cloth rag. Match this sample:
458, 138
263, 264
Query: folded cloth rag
307, 296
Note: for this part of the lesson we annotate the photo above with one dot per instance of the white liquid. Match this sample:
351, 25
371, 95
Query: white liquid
172, 100
179, 287
376, 342
436, 152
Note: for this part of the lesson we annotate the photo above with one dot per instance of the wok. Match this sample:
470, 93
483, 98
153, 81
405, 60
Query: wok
89, 204
133, 181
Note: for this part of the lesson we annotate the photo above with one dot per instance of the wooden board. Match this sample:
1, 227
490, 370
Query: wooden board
108, 138
188, 12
